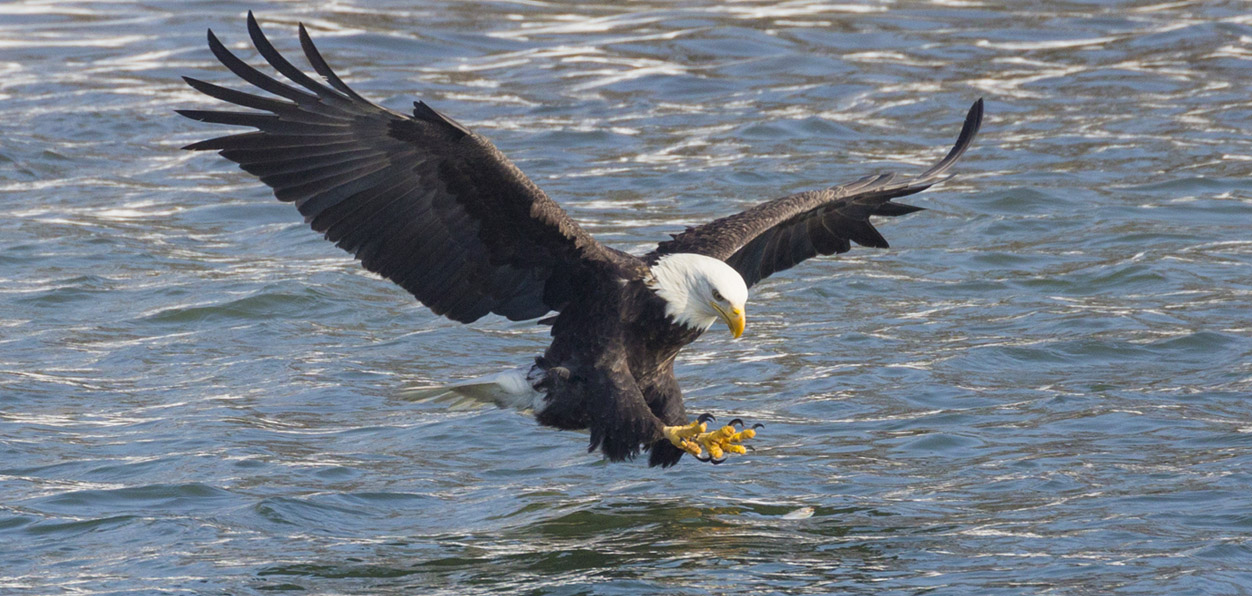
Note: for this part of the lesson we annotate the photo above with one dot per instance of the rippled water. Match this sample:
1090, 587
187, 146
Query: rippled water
1042, 387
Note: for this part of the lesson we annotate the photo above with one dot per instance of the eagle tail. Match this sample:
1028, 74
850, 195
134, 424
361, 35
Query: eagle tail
511, 389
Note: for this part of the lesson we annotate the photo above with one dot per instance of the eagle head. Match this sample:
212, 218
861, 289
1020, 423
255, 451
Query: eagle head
698, 291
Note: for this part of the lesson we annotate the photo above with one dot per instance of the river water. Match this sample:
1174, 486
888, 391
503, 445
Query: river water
1042, 387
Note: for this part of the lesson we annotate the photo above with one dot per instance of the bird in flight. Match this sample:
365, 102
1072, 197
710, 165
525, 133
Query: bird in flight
433, 206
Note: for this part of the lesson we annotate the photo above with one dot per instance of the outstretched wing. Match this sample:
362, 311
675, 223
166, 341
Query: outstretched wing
776, 235
420, 200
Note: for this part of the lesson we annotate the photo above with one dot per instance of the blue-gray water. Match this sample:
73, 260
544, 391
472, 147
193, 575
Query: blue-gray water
1043, 387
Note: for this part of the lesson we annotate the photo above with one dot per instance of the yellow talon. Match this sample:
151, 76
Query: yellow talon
743, 434
680, 436
693, 439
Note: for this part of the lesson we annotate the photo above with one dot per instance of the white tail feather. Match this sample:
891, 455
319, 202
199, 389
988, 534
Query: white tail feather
511, 389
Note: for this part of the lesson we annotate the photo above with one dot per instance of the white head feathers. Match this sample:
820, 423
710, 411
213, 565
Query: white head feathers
699, 290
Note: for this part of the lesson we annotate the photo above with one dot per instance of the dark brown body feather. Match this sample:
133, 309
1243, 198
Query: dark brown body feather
436, 208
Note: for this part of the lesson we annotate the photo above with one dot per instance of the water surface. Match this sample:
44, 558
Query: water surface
1041, 388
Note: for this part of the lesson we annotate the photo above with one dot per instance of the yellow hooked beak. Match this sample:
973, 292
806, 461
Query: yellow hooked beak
735, 319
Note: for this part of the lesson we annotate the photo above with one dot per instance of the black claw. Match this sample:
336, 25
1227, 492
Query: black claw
716, 461
735, 422
706, 417
757, 425
698, 458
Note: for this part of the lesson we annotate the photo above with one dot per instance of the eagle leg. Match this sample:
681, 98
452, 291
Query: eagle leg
695, 439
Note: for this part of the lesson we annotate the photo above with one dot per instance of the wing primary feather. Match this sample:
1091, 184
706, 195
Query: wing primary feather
287, 69
300, 123
862, 232
259, 141
308, 166
254, 76
246, 100
309, 149
319, 64
973, 122
890, 209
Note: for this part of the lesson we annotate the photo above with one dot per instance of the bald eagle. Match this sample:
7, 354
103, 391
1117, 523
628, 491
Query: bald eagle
427, 203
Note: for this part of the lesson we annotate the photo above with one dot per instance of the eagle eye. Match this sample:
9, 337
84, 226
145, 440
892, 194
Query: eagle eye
718, 296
